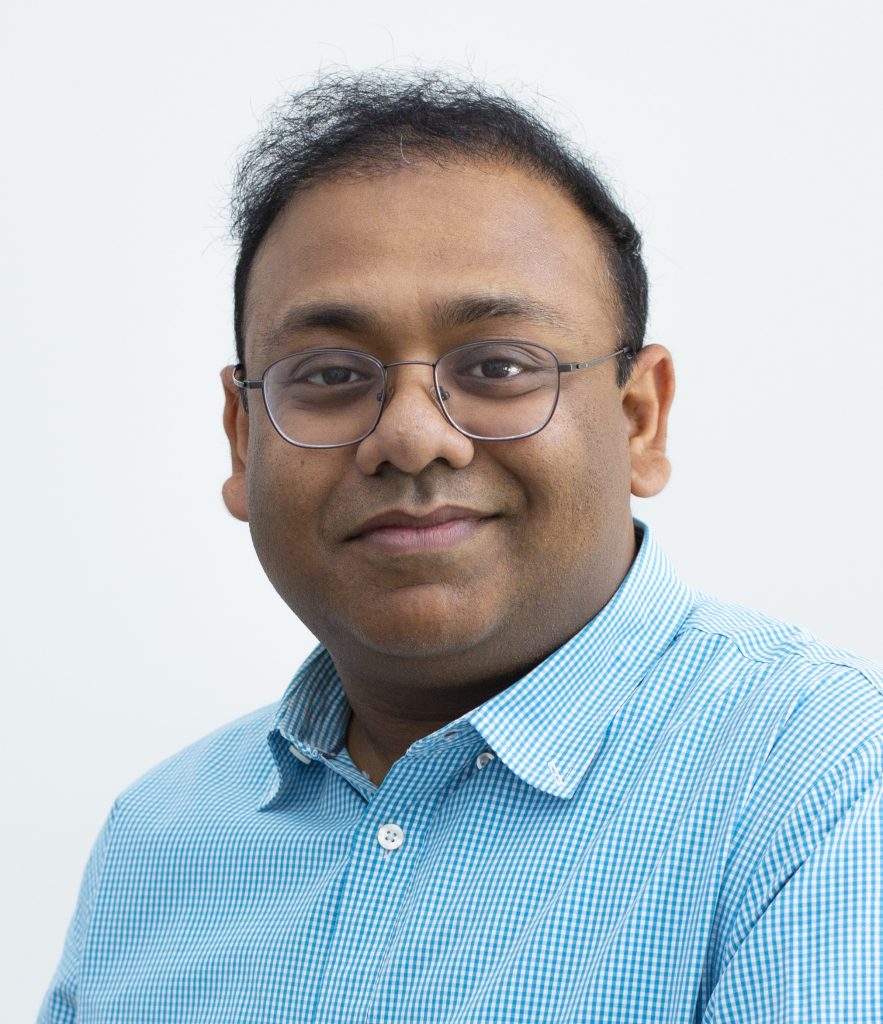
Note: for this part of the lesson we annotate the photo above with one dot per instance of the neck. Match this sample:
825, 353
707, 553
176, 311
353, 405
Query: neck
387, 719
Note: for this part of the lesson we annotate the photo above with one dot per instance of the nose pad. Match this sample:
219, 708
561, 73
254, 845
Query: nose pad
432, 392
408, 435
438, 395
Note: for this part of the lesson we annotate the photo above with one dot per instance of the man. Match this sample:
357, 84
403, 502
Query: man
529, 775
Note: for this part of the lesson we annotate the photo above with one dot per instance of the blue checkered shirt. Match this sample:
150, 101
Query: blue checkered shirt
677, 817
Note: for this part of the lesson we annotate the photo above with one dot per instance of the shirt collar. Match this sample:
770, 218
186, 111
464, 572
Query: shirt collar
549, 726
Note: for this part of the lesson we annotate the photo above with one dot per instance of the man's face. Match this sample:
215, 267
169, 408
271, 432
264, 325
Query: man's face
375, 263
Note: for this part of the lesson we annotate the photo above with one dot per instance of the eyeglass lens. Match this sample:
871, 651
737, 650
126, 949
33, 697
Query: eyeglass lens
491, 390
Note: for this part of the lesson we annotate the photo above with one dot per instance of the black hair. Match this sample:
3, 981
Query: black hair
361, 122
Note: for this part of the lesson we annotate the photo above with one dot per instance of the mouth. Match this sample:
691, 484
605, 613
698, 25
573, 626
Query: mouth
400, 532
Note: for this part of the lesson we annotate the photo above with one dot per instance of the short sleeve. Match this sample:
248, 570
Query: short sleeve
60, 1003
816, 952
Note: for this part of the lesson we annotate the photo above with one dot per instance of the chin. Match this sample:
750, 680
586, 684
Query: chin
425, 621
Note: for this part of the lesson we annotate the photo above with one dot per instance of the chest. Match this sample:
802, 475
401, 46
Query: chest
477, 900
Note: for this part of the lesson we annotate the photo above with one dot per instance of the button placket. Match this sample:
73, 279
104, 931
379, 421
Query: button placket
380, 869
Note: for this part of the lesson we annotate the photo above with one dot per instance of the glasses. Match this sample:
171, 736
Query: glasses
497, 390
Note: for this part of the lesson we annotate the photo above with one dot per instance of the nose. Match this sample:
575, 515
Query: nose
413, 432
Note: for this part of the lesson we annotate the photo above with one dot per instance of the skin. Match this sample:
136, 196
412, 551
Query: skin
419, 638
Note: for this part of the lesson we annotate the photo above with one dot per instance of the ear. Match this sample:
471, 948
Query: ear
646, 401
236, 427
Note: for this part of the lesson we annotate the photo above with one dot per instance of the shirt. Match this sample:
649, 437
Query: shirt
676, 817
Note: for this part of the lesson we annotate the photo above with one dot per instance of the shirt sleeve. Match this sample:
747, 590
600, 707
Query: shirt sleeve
60, 1003
816, 951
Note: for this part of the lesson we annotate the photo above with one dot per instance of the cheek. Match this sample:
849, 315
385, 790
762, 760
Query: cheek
578, 486
286, 487
577, 471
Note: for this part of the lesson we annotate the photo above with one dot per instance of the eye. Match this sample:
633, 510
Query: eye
326, 371
494, 369
497, 370
330, 376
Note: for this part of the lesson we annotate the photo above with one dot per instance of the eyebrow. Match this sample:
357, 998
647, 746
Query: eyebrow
470, 309
448, 314
338, 316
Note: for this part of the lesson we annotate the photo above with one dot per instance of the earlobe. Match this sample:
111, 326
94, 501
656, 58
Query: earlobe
234, 490
235, 498
646, 401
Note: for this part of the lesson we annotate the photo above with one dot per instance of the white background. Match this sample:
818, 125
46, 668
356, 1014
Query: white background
744, 138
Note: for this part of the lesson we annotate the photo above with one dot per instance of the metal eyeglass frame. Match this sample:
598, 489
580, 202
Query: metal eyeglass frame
246, 385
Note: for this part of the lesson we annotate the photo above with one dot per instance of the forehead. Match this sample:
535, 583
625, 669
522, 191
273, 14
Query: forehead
402, 244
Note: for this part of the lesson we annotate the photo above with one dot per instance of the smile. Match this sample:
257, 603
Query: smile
403, 539
402, 533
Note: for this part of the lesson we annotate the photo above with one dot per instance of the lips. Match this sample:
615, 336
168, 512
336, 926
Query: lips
407, 520
398, 531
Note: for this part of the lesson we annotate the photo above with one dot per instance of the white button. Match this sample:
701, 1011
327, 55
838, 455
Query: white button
390, 836
484, 759
301, 757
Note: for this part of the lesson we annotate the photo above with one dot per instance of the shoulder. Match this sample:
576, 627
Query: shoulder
790, 727
229, 764
757, 660
802, 719
762, 639
805, 706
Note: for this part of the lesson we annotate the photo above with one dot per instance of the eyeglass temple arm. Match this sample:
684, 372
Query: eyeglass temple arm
568, 367
244, 384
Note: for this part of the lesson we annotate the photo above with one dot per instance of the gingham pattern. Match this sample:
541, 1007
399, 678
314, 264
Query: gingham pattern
683, 822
